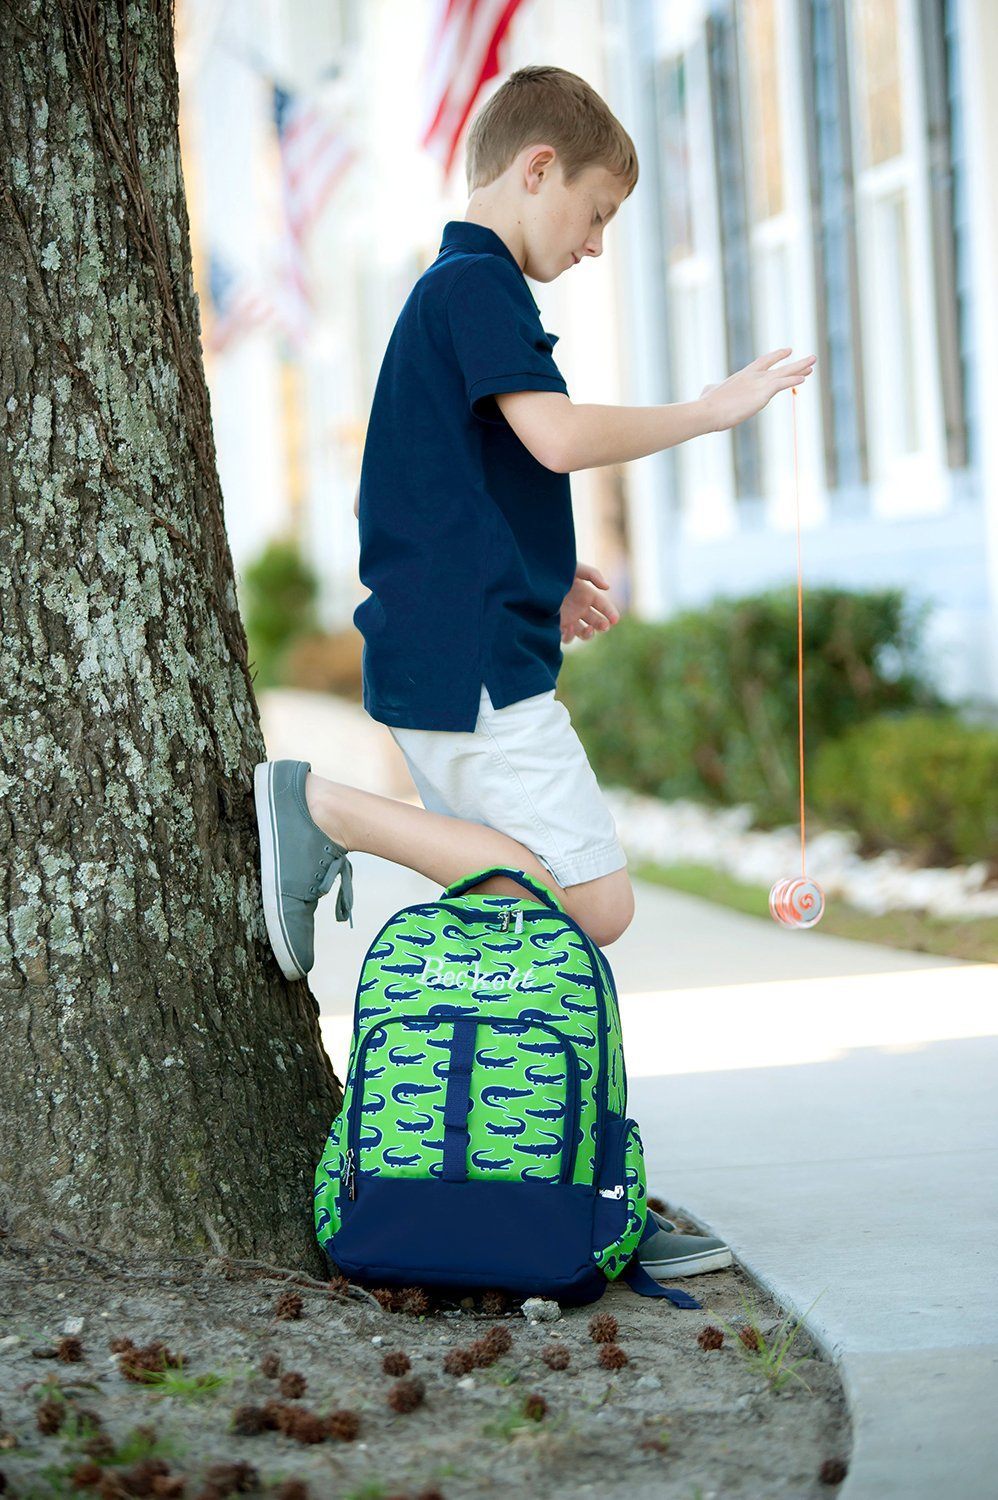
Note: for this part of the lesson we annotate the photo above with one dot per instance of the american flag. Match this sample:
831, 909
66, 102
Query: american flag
237, 305
315, 152
462, 57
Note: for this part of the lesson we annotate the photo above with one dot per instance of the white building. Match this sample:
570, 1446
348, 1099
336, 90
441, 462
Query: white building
820, 174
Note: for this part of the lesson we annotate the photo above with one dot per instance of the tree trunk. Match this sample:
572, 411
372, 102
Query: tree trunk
162, 1087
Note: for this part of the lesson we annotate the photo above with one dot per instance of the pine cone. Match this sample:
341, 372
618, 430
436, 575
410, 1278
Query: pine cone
69, 1349
555, 1356
343, 1424
710, 1337
499, 1338
85, 1475
247, 1421
228, 1477
612, 1357
270, 1365
292, 1385
135, 1363
534, 1406
396, 1363
749, 1338
100, 1446
832, 1471
293, 1489
407, 1394
387, 1296
656, 1204
483, 1353
459, 1361
603, 1328
415, 1301
119, 1344
306, 1426
495, 1302
169, 1486
289, 1305
112, 1486
50, 1415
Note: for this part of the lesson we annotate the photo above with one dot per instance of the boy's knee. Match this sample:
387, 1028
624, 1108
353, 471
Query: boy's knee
604, 907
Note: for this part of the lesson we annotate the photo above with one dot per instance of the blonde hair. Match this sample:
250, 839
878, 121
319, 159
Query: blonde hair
548, 104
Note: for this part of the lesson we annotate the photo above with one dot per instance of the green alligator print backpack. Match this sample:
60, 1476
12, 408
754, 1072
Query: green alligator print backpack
484, 1139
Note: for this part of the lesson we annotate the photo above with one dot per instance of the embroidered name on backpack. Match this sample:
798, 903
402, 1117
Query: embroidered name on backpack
438, 975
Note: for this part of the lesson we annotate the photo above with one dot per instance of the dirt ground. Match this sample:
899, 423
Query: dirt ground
678, 1421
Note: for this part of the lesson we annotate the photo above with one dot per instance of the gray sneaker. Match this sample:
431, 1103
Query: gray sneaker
298, 864
666, 1253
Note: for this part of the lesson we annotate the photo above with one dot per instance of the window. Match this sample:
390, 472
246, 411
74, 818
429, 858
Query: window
836, 272
725, 104
762, 92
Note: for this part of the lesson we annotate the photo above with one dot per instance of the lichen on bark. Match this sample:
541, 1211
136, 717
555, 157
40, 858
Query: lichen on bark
161, 1086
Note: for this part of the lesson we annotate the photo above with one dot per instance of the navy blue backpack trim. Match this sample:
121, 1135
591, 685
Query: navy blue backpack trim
639, 1280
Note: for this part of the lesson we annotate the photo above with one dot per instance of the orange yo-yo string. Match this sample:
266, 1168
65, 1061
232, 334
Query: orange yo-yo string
800, 639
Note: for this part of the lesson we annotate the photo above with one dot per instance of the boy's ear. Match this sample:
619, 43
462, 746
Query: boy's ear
356, 503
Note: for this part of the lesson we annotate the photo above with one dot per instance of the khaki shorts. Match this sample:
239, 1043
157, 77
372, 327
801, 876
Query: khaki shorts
522, 770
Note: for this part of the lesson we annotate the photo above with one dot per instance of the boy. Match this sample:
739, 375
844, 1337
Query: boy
467, 545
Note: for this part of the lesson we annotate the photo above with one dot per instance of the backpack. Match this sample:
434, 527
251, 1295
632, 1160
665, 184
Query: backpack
483, 1139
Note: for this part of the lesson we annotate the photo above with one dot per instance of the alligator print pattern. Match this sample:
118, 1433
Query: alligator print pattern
536, 1059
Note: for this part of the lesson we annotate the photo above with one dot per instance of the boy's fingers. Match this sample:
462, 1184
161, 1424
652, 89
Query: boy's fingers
765, 361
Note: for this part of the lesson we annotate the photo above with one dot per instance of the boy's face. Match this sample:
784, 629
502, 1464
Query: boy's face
564, 224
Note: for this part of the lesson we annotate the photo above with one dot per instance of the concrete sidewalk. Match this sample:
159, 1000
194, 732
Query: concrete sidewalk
826, 1106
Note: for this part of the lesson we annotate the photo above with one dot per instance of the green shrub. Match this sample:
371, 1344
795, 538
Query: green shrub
704, 704
280, 592
927, 783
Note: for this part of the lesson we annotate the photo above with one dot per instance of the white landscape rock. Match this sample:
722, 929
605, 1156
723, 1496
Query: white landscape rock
540, 1310
724, 839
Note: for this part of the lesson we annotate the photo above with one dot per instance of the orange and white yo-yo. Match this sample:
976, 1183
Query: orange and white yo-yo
797, 900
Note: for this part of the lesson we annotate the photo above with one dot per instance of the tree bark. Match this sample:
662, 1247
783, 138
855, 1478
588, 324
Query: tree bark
162, 1087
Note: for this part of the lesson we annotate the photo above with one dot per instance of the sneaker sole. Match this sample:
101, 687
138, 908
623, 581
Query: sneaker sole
688, 1265
270, 872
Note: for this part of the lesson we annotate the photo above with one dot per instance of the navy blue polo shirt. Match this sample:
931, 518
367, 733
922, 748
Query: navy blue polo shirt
467, 543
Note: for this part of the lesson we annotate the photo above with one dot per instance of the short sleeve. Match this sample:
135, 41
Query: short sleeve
498, 339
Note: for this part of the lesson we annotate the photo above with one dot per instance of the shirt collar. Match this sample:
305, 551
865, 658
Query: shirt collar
467, 236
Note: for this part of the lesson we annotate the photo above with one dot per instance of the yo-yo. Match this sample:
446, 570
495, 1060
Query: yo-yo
797, 901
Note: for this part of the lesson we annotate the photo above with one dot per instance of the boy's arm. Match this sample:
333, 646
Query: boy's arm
564, 437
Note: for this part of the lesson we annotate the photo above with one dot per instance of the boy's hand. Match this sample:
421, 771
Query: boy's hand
583, 608
749, 390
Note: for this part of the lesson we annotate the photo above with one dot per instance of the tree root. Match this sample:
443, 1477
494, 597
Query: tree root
113, 1264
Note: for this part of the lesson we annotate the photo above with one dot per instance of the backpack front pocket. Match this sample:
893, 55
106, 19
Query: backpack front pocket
471, 1098
621, 1205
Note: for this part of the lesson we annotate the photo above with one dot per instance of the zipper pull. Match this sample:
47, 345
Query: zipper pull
518, 924
349, 1175
504, 922
614, 1192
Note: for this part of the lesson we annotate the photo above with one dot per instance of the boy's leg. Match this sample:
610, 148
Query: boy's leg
444, 848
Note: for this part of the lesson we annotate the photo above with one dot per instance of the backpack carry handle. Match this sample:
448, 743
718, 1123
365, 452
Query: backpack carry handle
520, 877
